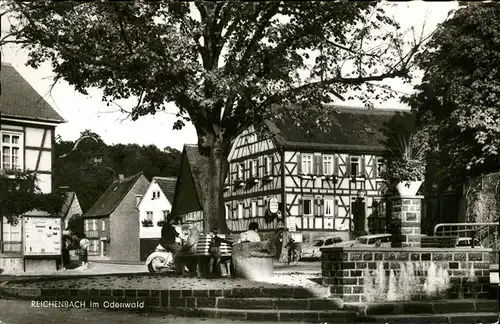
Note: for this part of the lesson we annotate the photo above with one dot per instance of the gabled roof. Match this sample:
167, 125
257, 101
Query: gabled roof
20, 100
352, 129
197, 165
167, 186
111, 198
191, 177
70, 196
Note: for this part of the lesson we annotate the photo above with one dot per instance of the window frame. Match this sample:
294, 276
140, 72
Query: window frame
254, 208
328, 160
10, 145
240, 171
103, 225
11, 242
240, 211
307, 163
227, 209
327, 201
380, 166
355, 160
255, 168
311, 206
148, 214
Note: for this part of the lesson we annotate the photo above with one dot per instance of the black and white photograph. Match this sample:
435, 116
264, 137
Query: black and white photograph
249, 162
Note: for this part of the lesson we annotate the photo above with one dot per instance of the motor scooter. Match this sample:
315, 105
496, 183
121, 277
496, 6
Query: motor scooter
160, 260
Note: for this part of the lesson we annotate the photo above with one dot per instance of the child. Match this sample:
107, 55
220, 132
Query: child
84, 245
214, 251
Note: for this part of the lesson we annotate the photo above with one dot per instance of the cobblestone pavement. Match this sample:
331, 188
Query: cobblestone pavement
22, 312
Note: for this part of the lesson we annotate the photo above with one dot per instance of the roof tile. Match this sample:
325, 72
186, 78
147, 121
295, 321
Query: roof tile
19, 99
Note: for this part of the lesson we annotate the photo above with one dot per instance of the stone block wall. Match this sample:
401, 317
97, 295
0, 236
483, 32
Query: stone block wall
344, 270
408, 212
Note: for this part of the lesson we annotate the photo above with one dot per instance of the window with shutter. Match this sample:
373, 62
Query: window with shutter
307, 163
375, 167
271, 164
336, 166
380, 166
362, 171
348, 167
336, 208
327, 165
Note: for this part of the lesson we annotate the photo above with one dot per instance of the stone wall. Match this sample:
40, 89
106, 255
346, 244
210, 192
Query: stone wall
346, 269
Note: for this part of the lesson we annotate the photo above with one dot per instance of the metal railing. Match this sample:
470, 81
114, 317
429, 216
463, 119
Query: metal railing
486, 233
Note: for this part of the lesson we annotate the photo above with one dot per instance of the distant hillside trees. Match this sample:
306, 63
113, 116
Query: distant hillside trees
91, 166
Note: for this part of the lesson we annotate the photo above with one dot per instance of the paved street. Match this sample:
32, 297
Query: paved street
21, 312
112, 268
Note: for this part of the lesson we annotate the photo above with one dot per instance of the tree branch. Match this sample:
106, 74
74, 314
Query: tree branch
78, 143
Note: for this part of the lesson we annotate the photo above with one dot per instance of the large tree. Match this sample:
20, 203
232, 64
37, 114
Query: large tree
458, 101
225, 65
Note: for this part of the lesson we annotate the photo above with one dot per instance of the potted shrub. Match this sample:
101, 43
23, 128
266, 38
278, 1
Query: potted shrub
406, 161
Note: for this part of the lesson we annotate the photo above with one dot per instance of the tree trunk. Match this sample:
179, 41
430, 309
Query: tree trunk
213, 187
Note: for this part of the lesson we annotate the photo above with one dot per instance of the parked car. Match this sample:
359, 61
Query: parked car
371, 240
312, 250
467, 242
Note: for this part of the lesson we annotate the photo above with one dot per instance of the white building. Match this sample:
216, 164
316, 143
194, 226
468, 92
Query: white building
153, 208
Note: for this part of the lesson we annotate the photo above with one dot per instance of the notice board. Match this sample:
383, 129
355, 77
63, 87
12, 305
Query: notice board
42, 236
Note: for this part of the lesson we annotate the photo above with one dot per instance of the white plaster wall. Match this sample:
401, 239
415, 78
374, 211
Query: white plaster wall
157, 206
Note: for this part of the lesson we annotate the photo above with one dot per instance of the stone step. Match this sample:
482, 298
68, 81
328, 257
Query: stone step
451, 318
425, 307
279, 303
314, 316
334, 316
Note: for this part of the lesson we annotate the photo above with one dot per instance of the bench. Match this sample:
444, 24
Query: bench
198, 257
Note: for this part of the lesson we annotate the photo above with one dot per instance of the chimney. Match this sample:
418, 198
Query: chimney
121, 177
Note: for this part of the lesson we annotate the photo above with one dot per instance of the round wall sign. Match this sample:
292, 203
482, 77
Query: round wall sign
273, 205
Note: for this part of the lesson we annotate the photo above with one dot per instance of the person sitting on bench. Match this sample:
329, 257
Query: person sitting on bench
215, 253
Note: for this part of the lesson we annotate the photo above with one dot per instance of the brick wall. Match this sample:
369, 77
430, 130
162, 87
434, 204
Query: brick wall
408, 212
346, 269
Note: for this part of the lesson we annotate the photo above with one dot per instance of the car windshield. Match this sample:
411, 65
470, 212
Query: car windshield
317, 243
361, 240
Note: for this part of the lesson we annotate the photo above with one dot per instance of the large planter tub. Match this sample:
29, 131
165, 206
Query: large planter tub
253, 260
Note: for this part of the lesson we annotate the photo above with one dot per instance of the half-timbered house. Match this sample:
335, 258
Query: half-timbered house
27, 134
313, 182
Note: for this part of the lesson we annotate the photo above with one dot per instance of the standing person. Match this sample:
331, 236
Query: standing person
292, 248
84, 255
168, 240
251, 235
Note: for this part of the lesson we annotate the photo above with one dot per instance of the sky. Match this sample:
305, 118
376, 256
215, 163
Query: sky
88, 112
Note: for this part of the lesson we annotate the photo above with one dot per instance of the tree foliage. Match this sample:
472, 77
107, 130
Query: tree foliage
226, 65
19, 194
458, 101
91, 168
